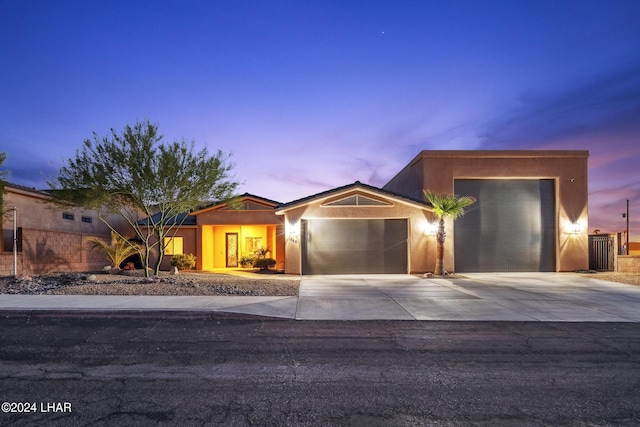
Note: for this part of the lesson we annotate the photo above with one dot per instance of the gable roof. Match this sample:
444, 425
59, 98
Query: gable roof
246, 197
356, 186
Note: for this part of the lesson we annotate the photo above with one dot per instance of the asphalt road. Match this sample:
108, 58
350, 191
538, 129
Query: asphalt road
198, 370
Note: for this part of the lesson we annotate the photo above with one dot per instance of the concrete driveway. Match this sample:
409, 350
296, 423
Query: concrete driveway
477, 296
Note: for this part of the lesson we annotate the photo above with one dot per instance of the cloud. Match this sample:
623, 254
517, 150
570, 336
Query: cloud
29, 168
611, 101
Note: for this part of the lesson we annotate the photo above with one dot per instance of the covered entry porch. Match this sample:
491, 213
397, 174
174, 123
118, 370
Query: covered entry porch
228, 246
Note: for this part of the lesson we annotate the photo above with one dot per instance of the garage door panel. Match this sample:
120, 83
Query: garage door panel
510, 228
354, 246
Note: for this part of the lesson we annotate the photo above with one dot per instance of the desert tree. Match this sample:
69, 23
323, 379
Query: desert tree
3, 172
445, 206
149, 183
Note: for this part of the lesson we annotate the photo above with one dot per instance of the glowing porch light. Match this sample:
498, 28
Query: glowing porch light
576, 228
431, 228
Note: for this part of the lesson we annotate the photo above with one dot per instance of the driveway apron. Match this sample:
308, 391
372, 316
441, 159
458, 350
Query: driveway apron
473, 297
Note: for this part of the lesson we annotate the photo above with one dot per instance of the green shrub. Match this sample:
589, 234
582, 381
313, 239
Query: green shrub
247, 261
264, 263
184, 261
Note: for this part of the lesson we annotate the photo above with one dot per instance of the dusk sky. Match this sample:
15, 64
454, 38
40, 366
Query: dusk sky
311, 95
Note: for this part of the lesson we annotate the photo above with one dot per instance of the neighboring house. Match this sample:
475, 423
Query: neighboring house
531, 209
222, 234
48, 238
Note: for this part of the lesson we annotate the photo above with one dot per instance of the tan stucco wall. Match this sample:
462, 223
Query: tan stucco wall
33, 212
421, 246
188, 234
233, 217
439, 169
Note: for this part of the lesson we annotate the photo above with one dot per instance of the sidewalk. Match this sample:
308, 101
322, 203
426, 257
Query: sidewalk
477, 297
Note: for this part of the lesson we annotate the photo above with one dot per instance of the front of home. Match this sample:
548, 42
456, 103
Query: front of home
228, 235
530, 215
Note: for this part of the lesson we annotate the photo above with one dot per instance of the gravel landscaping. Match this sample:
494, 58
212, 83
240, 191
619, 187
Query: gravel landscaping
628, 278
254, 284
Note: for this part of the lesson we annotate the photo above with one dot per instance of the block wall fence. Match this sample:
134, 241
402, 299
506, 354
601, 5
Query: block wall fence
628, 264
52, 251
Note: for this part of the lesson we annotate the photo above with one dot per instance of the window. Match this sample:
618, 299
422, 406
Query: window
173, 245
87, 219
357, 200
253, 244
68, 215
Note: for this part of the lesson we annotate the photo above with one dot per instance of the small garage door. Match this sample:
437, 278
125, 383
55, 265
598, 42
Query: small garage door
354, 246
511, 227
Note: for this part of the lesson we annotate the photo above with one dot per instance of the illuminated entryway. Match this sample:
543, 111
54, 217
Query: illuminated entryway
230, 234
227, 246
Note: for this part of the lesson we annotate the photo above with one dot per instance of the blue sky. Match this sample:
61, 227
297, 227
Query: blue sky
310, 95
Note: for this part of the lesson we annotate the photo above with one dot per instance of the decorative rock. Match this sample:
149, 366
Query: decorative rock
92, 278
174, 270
129, 266
115, 270
107, 268
428, 276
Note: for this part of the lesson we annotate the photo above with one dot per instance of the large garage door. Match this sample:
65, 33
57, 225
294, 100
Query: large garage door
511, 227
354, 246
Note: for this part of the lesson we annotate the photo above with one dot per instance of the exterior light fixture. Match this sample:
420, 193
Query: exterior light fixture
576, 228
292, 234
431, 228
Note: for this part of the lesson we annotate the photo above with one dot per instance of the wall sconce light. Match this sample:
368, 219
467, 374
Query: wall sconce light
431, 229
576, 228
292, 234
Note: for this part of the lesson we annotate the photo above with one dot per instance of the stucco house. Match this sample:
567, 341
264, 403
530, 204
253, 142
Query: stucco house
531, 210
530, 215
221, 234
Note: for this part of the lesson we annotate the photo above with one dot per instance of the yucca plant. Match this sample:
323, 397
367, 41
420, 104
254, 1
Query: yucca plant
115, 252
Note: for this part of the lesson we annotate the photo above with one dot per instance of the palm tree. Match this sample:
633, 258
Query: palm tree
445, 206
117, 251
